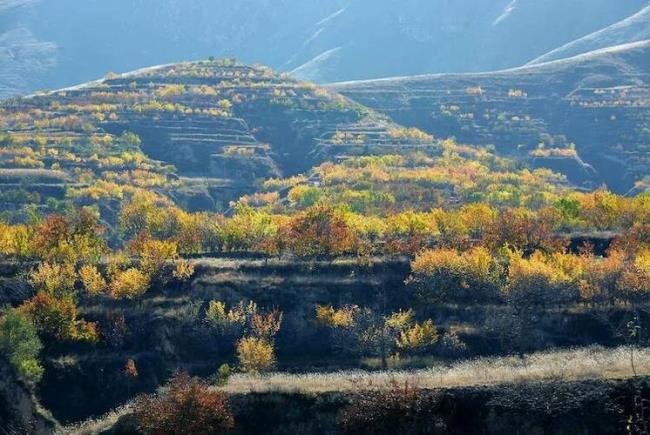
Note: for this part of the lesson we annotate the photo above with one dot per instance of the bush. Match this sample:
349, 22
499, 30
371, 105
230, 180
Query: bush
187, 405
21, 345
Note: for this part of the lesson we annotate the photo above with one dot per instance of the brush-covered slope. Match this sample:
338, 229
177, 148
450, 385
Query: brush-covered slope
51, 44
632, 29
200, 133
597, 101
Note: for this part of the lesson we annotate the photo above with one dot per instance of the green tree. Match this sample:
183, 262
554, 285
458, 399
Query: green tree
19, 342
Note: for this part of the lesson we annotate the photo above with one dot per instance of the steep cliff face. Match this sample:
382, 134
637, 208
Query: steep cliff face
598, 101
19, 412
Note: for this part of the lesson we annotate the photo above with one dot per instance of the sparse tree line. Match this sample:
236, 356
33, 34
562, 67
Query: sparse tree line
474, 254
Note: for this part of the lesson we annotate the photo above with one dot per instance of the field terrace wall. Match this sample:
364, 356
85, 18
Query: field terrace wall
165, 330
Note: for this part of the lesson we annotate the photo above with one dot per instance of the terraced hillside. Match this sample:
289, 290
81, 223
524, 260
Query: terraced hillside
201, 133
597, 101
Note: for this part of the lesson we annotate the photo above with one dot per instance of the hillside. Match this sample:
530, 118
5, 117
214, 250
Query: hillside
200, 133
632, 29
597, 101
323, 41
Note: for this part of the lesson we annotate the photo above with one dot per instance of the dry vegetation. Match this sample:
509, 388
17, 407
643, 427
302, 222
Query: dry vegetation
578, 364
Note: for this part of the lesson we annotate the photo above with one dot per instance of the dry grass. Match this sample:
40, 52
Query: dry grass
96, 425
584, 363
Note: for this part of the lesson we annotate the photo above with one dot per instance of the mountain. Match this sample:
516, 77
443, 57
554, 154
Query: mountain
586, 116
318, 40
378, 39
632, 29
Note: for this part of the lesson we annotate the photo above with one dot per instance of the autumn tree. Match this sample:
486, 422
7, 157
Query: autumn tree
129, 284
74, 237
92, 280
255, 354
449, 276
318, 231
362, 331
54, 307
524, 230
252, 329
152, 254
185, 405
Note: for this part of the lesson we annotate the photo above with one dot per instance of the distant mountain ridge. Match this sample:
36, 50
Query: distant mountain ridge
46, 44
632, 29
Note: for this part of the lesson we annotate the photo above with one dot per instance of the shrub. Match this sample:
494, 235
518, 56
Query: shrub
341, 318
536, 281
186, 405
255, 354
21, 345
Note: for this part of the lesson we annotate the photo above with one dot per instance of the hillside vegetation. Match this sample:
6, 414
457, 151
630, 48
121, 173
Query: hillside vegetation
585, 116
229, 221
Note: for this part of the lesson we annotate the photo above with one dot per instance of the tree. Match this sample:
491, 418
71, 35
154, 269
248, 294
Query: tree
524, 230
318, 231
363, 331
92, 280
70, 238
255, 354
419, 337
448, 276
634, 283
58, 318
129, 284
19, 342
186, 405
153, 254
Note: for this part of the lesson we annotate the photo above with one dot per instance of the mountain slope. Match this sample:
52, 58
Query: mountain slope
199, 133
632, 29
598, 101
318, 40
